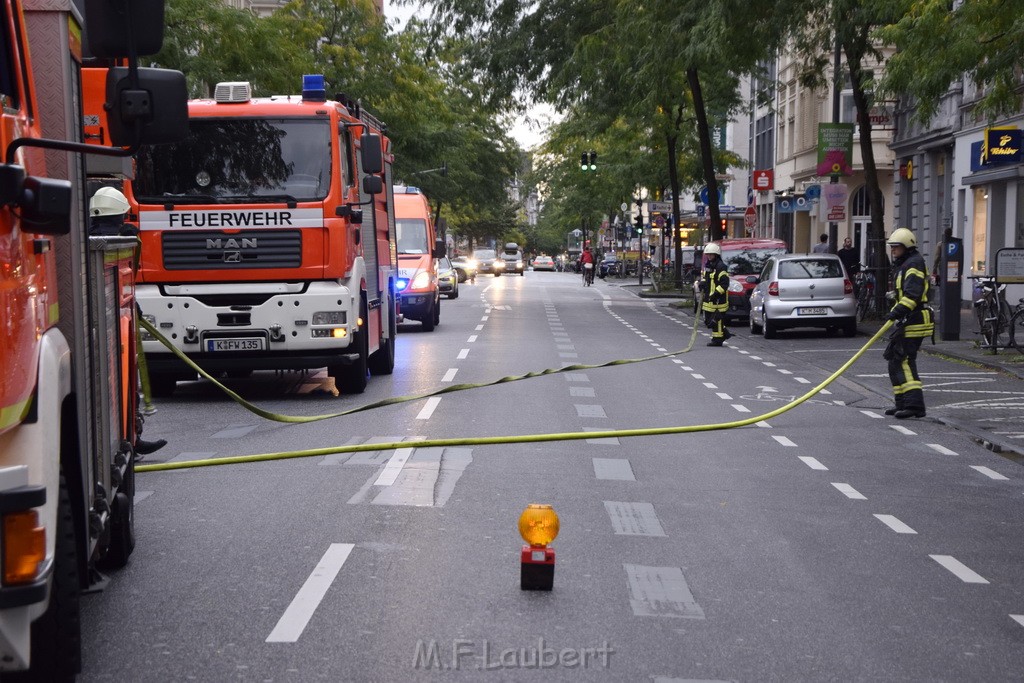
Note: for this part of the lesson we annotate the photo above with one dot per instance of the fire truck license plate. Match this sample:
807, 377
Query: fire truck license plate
240, 344
812, 311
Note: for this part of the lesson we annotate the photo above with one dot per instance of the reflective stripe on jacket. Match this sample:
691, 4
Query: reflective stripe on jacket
912, 285
716, 288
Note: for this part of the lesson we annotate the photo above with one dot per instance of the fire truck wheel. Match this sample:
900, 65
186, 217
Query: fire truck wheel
430, 319
122, 523
351, 379
162, 385
56, 636
383, 361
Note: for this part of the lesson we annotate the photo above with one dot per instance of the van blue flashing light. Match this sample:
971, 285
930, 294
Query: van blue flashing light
401, 285
314, 89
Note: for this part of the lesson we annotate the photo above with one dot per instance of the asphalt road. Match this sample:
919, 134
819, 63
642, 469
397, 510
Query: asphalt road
829, 543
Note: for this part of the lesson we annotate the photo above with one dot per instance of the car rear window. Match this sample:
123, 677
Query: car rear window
813, 269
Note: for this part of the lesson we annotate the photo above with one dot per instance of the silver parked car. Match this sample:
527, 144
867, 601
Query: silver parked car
802, 290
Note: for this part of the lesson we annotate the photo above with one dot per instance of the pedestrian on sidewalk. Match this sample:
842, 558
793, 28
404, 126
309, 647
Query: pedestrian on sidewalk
822, 246
716, 294
913, 323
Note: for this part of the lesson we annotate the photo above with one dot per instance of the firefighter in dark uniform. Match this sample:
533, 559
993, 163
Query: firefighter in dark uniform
914, 323
715, 286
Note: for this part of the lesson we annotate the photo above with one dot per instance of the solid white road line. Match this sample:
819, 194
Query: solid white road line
450, 375
991, 474
463, 354
393, 467
812, 463
871, 414
895, 524
784, 441
849, 491
903, 430
959, 569
296, 617
428, 409
941, 449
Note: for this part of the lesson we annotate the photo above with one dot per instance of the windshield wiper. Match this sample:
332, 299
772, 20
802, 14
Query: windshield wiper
260, 198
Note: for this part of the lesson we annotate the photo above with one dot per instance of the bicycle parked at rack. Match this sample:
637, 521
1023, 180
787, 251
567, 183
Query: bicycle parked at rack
997, 320
864, 283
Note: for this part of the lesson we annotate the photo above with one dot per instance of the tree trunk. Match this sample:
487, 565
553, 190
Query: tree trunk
877, 259
707, 155
673, 180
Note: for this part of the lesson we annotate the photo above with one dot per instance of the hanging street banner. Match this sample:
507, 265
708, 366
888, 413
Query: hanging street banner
835, 149
833, 202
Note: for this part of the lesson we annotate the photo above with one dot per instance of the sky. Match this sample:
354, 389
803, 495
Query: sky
528, 130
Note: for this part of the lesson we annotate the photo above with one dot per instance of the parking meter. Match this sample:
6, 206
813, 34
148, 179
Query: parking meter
951, 273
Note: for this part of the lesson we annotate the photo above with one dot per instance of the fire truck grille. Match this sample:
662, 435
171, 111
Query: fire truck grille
230, 251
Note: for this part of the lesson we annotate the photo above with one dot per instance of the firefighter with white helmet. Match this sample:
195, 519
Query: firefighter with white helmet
715, 286
107, 209
914, 323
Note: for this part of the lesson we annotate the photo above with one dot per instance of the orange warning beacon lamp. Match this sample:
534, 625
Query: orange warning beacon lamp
538, 525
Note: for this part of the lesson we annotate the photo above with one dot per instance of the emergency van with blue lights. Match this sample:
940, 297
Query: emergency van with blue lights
268, 239
418, 250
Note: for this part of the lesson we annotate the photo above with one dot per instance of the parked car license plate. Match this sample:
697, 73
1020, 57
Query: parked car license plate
812, 311
236, 344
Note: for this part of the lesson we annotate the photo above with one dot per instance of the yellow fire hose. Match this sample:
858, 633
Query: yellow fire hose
475, 441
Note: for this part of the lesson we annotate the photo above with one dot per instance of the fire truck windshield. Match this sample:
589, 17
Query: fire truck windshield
229, 159
412, 236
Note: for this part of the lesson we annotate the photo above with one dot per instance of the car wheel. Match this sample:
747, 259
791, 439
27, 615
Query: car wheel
454, 294
428, 319
754, 327
771, 330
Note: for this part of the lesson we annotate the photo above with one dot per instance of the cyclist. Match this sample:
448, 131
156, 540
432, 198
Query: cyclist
587, 261
910, 276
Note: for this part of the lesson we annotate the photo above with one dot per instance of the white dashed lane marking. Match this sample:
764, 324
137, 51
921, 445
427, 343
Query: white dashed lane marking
849, 491
903, 430
741, 408
710, 385
812, 463
294, 620
428, 409
939, 448
450, 375
895, 524
871, 414
724, 397
472, 338
959, 569
1019, 618
784, 441
463, 354
991, 474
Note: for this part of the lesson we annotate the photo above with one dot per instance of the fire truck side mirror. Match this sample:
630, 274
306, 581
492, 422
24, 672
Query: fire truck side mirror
371, 153
45, 206
354, 216
158, 104
372, 184
440, 248
108, 27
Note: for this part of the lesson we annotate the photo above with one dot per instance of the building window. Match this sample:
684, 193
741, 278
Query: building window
979, 230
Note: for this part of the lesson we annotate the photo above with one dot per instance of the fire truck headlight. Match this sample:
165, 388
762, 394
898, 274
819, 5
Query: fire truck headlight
421, 281
329, 318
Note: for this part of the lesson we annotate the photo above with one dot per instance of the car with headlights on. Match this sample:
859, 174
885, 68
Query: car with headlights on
488, 261
447, 278
543, 262
465, 268
802, 290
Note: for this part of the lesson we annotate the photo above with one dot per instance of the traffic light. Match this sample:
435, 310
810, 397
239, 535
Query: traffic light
583, 162
593, 161
639, 225
588, 161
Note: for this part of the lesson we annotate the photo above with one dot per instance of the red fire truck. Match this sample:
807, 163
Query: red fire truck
68, 423
257, 251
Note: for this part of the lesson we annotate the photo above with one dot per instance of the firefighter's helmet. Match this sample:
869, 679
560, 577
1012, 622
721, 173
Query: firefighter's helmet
902, 237
712, 249
108, 201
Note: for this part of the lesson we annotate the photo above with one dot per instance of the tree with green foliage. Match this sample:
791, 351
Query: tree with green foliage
939, 42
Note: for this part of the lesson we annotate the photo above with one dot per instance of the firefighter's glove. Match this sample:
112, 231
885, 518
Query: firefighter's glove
898, 312
890, 295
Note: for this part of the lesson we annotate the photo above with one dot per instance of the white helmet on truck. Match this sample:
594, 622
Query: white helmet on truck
108, 201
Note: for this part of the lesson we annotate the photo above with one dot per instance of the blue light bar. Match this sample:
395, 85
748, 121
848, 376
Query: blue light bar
314, 89
401, 284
